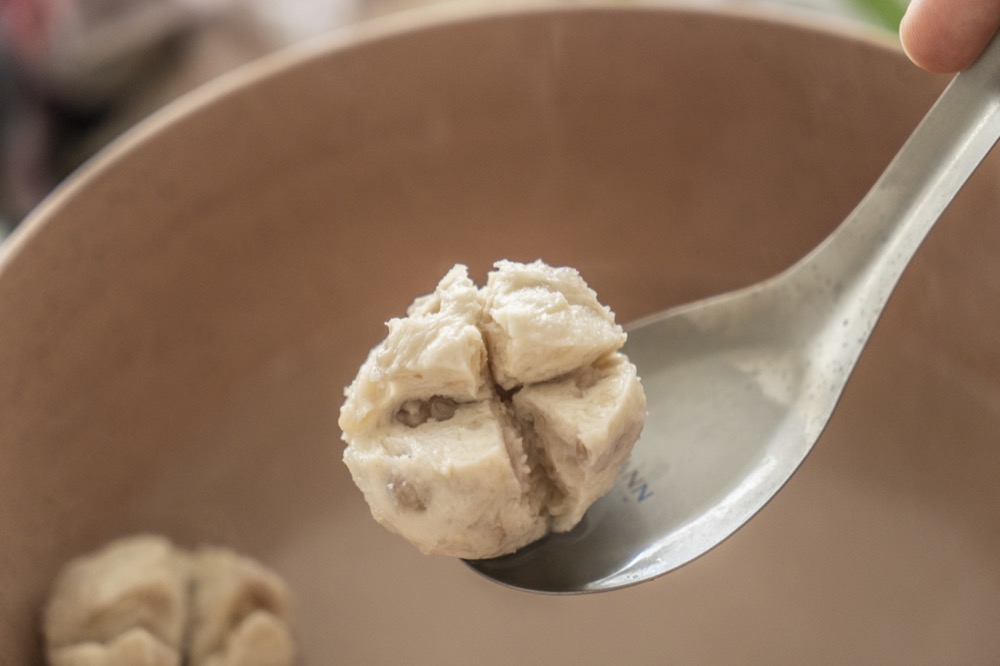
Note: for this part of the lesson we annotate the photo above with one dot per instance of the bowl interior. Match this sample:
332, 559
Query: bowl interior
178, 322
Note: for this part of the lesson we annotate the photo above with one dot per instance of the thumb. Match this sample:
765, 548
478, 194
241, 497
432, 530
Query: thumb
948, 35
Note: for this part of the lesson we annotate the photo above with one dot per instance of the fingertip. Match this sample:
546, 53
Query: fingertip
921, 39
946, 36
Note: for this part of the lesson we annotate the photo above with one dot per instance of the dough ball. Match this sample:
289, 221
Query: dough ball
489, 417
139, 601
237, 606
134, 582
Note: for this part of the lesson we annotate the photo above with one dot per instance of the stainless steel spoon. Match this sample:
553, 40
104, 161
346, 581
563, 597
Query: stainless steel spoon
740, 386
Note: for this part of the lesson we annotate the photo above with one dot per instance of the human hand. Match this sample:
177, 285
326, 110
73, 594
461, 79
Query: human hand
948, 35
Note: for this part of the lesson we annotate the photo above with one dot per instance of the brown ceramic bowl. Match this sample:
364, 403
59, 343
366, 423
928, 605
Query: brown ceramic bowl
178, 321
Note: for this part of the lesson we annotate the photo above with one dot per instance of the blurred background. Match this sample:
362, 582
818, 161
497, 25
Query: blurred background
74, 74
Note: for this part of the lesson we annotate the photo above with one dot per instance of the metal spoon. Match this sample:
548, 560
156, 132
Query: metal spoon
740, 386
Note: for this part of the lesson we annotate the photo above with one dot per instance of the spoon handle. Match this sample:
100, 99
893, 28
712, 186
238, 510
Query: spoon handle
864, 259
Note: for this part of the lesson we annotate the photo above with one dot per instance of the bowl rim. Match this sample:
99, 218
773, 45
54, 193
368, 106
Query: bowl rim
437, 14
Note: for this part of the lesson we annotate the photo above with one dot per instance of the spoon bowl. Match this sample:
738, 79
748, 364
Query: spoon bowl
741, 386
